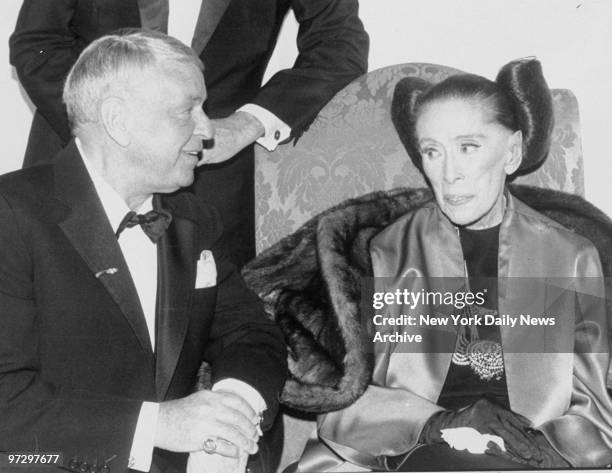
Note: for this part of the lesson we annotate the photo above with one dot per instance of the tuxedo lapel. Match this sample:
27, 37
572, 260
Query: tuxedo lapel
211, 12
88, 229
177, 270
154, 14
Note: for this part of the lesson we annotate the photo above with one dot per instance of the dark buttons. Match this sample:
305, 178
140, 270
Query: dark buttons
84, 467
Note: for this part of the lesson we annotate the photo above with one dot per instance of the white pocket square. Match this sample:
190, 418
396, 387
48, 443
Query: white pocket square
206, 275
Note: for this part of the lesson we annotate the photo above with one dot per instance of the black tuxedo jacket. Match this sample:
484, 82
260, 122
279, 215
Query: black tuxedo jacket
235, 39
75, 356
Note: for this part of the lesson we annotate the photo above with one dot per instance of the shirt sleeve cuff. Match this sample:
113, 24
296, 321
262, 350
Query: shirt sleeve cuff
276, 130
141, 453
249, 393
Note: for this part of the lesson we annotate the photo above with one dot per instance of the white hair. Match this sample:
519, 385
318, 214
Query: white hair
113, 61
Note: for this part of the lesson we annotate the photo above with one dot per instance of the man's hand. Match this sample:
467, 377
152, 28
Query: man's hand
202, 462
232, 134
184, 424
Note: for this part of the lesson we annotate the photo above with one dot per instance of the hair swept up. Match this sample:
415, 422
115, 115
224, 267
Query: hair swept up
519, 98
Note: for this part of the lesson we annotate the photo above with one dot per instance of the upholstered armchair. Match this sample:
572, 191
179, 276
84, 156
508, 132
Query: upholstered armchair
352, 149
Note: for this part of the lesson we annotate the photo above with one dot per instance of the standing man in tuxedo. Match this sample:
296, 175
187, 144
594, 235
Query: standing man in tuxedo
234, 39
114, 288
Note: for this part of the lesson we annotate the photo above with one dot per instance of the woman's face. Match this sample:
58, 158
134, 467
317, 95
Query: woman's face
466, 157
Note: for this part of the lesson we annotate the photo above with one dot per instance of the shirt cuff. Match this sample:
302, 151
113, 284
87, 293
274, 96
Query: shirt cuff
276, 130
141, 453
249, 393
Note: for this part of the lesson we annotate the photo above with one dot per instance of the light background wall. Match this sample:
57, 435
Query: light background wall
572, 38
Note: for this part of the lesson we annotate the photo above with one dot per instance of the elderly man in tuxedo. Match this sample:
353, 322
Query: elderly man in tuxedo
114, 288
234, 39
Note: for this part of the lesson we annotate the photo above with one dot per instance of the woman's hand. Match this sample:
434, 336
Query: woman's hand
488, 418
549, 457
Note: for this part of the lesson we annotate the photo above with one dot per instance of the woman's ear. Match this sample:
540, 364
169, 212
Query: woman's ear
514, 152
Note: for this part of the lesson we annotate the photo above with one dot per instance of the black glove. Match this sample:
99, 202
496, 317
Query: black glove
488, 418
549, 457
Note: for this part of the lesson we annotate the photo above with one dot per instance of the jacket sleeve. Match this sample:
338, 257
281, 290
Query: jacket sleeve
43, 48
38, 415
355, 433
583, 435
333, 50
244, 343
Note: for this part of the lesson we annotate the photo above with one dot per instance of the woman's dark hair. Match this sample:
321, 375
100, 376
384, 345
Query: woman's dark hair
519, 99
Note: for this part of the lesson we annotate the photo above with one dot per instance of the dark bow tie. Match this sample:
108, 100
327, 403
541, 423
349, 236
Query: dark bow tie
153, 223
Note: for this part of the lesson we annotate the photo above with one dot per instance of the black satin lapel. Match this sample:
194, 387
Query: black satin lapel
177, 271
88, 229
211, 12
154, 14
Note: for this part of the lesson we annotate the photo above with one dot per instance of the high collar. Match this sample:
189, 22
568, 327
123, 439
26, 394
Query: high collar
444, 221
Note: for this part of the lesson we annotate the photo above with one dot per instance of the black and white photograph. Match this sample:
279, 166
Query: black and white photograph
299, 236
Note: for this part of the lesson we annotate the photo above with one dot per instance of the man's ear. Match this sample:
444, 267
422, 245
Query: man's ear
514, 152
115, 117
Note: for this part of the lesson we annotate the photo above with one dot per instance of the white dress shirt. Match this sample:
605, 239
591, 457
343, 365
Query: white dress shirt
140, 255
182, 19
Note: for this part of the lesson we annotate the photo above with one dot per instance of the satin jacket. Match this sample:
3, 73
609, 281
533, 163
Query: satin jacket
562, 391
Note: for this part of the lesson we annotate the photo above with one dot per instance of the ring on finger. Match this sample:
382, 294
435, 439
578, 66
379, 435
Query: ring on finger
209, 445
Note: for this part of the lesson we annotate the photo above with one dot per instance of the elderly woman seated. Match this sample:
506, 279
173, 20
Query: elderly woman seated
467, 135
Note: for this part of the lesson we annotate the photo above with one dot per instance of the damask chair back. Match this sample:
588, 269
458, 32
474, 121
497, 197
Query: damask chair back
352, 148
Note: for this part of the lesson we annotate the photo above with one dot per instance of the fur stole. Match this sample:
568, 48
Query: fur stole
310, 284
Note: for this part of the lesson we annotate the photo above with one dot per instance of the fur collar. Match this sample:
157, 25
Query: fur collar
310, 284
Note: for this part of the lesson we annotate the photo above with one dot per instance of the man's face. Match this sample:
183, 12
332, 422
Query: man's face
167, 126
